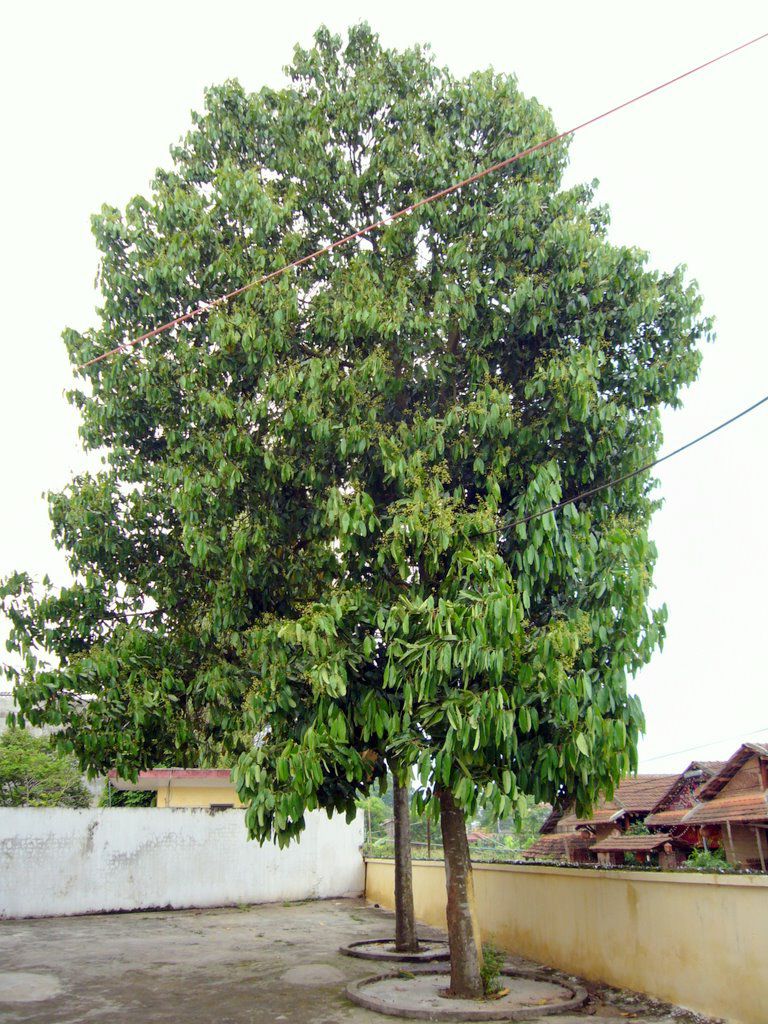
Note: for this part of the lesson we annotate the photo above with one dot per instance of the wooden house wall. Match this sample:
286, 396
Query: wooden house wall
746, 778
741, 845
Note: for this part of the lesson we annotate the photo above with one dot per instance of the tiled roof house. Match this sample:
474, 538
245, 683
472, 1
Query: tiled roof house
561, 846
669, 850
668, 813
632, 801
567, 837
734, 803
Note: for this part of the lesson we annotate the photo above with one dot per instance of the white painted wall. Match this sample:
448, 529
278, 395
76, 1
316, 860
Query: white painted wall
57, 861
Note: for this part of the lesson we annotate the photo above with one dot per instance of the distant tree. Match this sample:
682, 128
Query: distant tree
34, 774
376, 813
519, 830
420, 823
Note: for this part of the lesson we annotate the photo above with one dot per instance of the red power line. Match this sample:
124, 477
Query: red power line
208, 306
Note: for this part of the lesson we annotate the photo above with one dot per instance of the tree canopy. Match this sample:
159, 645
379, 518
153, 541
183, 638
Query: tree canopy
34, 774
296, 557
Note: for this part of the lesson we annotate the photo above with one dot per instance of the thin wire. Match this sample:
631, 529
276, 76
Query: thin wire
209, 306
620, 479
701, 746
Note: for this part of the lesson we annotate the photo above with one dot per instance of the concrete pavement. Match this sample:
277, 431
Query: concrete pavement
250, 965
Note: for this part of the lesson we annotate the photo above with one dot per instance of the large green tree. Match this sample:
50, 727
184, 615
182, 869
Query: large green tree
301, 530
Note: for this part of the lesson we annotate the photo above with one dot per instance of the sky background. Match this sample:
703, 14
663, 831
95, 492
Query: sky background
93, 94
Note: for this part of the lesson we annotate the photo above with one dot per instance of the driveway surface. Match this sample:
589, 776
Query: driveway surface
251, 965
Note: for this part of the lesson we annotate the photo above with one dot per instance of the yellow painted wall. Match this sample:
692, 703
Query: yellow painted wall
196, 796
695, 940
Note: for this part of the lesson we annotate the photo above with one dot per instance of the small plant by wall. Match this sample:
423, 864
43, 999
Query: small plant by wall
708, 860
490, 970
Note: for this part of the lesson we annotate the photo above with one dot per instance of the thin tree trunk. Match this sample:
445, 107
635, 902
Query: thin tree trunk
463, 933
406, 939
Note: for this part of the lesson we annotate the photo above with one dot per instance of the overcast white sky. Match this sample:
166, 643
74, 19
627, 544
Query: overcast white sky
93, 94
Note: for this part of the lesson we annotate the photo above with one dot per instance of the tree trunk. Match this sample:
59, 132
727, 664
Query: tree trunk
406, 939
463, 933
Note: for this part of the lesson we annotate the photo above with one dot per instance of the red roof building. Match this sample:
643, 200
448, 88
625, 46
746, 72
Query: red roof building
733, 806
709, 804
633, 800
567, 837
665, 850
569, 847
476, 835
668, 813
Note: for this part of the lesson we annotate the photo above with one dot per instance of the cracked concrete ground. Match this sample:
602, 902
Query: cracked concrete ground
249, 965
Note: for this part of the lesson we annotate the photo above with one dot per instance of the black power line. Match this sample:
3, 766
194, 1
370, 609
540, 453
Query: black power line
702, 746
625, 476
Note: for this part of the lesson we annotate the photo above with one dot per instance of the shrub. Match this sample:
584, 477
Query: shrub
708, 860
490, 970
112, 797
639, 828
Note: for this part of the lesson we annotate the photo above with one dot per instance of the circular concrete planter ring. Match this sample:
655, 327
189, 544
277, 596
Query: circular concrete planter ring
384, 949
419, 997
